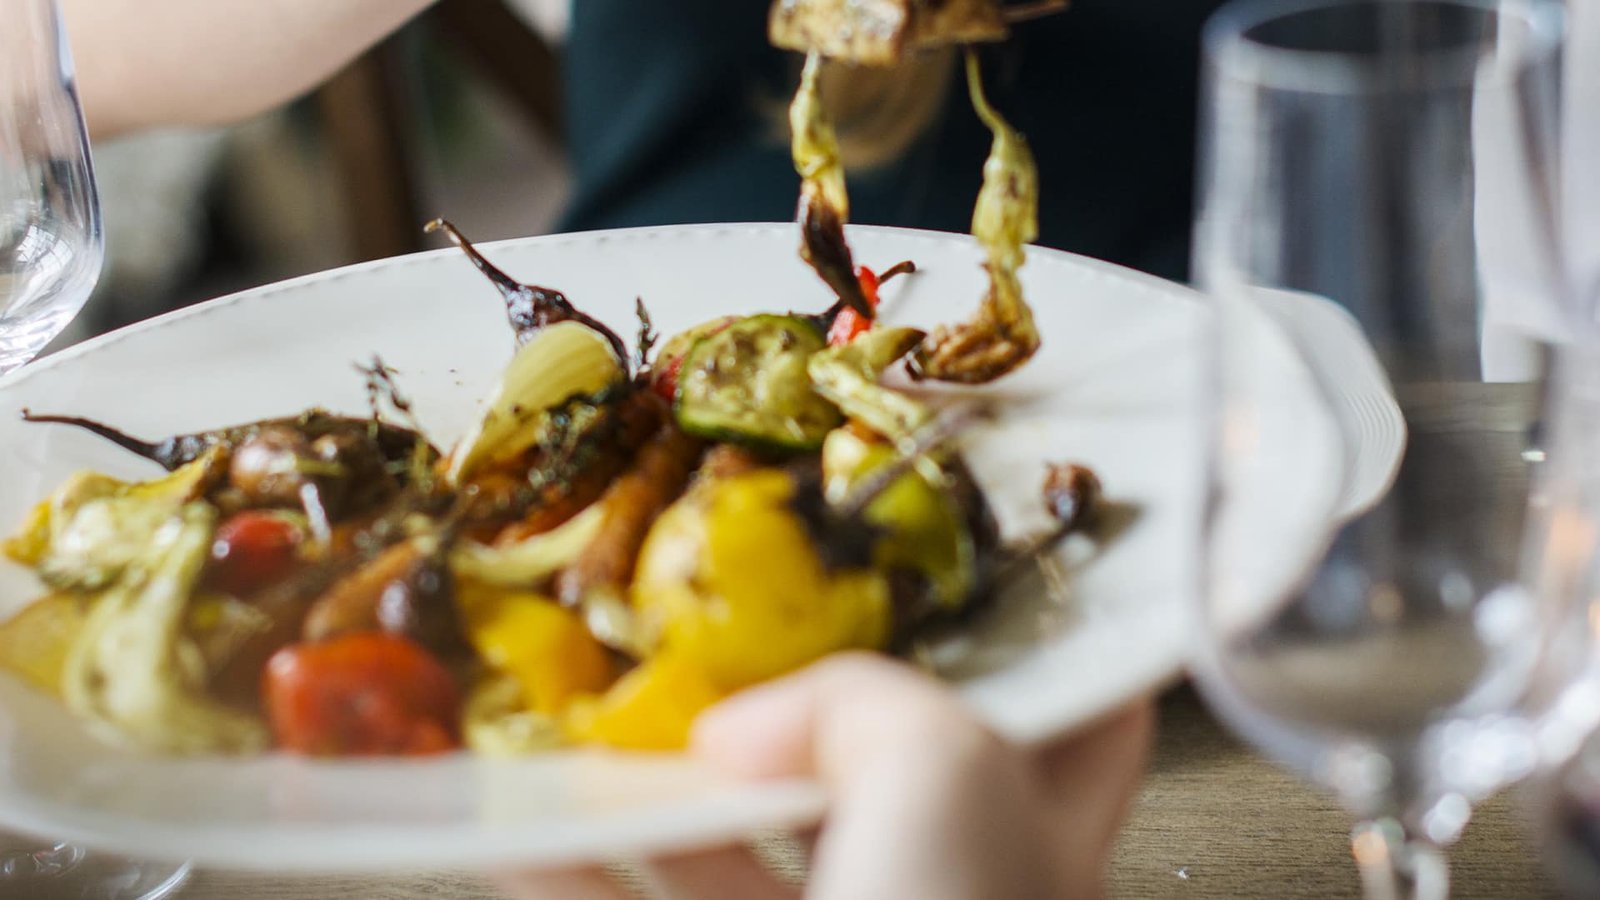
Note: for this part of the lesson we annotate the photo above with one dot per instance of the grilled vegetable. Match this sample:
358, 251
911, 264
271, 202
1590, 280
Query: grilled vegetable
922, 528
848, 376
1072, 493
351, 603
93, 527
530, 309
394, 443
883, 32
253, 549
650, 708
669, 359
848, 323
731, 580
585, 447
497, 720
362, 694
824, 204
564, 361
748, 384
601, 573
135, 672
35, 642
1002, 336
530, 562
547, 649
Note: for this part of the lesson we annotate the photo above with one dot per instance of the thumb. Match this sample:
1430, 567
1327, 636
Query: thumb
923, 801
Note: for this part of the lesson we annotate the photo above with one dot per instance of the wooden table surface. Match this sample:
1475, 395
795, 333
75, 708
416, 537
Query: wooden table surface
1213, 820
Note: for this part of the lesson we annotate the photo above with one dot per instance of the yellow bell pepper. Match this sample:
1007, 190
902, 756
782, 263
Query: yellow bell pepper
545, 648
729, 580
34, 643
923, 526
650, 708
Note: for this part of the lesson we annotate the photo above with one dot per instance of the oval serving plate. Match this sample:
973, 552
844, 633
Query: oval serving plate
1114, 387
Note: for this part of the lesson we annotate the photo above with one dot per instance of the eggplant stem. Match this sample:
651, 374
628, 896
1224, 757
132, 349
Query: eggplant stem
494, 273
134, 445
529, 307
904, 267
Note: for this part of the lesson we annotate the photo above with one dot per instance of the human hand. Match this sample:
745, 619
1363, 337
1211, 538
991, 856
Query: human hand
924, 802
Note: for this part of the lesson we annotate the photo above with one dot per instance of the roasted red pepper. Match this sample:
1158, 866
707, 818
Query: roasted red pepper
368, 693
850, 323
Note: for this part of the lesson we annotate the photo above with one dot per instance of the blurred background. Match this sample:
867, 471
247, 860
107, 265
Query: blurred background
457, 115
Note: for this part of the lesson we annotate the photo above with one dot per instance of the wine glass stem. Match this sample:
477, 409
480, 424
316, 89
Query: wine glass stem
1396, 865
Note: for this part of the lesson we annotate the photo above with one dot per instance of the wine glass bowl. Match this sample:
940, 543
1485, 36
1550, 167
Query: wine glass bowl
51, 240
1396, 157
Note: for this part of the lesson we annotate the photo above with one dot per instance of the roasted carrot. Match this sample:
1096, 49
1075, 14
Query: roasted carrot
657, 477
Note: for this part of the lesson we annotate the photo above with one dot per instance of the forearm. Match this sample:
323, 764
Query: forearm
144, 63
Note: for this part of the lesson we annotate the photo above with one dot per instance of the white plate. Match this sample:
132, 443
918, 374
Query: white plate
1114, 387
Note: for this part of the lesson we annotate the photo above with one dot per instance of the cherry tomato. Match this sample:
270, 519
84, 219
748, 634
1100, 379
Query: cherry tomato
361, 694
252, 549
850, 323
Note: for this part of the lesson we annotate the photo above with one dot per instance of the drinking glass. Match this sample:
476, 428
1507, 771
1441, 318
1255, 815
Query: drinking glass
1363, 621
51, 243
51, 247
1562, 562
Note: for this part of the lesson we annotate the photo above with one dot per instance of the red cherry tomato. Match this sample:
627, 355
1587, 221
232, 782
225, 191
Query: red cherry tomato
252, 549
850, 323
362, 694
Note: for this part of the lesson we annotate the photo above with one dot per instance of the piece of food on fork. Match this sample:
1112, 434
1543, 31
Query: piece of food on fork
882, 32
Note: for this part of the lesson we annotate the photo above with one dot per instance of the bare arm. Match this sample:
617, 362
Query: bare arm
143, 63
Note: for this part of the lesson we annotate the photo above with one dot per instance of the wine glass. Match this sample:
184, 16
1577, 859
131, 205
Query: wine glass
51, 247
1362, 623
1562, 562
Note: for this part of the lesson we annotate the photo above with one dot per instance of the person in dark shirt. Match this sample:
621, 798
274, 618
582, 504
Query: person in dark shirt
671, 109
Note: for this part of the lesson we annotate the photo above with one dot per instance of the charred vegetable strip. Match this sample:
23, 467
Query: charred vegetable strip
824, 204
602, 572
748, 384
1002, 335
848, 376
529, 308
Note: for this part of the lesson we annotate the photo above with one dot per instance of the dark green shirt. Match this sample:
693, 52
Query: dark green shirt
669, 110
